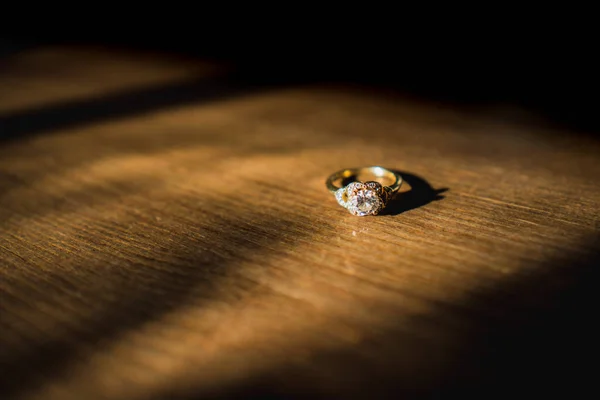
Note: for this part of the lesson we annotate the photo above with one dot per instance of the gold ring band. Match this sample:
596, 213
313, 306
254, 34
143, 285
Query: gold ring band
369, 189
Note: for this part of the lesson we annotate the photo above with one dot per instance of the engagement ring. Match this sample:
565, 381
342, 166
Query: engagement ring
366, 191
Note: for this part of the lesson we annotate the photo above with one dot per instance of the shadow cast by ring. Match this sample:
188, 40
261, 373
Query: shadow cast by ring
420, 194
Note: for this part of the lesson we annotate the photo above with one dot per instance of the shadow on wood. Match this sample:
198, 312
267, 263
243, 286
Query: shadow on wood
68, 114
532, 334
420, 194
121, 295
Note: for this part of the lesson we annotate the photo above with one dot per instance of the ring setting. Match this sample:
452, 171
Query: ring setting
364, 198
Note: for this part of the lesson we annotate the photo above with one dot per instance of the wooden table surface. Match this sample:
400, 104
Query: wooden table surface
165, 232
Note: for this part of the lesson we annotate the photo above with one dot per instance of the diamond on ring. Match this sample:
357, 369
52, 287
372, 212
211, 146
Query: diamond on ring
364, 198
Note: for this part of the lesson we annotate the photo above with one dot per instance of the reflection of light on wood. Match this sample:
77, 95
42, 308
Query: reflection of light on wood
53, 75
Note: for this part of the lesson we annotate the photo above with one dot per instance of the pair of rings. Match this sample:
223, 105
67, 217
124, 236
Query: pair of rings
364, 191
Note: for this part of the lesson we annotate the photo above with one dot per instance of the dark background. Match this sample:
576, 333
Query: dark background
540, 65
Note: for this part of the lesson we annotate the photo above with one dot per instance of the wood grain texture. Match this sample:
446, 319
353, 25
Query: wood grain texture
168, 234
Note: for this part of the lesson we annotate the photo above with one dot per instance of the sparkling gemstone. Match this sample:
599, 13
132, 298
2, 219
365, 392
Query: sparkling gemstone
361, 198
365, 202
